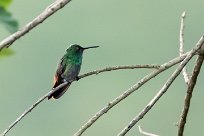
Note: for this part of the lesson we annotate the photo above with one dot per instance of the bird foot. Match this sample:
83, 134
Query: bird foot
77, 78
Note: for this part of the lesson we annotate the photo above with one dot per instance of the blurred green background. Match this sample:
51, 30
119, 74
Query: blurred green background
128, 32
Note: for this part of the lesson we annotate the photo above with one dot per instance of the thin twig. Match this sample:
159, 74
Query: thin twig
163, 89
181, 49
154, 66
31, 108
145, 133
62, 85
189, 92
128, 92
39, 19
181, 34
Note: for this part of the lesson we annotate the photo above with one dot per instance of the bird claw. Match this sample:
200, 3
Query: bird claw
77, 78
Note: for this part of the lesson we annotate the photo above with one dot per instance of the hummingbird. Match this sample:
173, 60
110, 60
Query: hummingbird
68, 69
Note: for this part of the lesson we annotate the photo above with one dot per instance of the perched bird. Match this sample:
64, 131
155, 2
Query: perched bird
68, 69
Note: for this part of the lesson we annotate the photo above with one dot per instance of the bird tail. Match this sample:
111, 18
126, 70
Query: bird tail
57, 94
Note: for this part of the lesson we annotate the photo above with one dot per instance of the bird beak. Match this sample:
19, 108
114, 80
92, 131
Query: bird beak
90, 47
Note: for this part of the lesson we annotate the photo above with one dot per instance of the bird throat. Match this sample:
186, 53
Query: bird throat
74, 58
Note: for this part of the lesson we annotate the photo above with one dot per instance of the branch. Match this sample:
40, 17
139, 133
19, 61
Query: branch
145, 133
63, 84
119, 67
31, 108
181, 50
58, 4
162, 68
189, 92
163, 89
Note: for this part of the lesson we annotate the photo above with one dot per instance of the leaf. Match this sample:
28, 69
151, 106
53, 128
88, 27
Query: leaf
8, 21
6, 52
5, 3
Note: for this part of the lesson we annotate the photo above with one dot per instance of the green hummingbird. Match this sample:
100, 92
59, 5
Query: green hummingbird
68, 69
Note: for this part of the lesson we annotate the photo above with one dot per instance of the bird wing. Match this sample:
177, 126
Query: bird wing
66, 71
60, 70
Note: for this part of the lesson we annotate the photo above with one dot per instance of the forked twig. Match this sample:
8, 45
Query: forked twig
135, 87
181, 49
163, 89
191, 85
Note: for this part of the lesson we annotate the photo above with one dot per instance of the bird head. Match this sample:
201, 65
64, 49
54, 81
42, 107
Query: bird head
75, 48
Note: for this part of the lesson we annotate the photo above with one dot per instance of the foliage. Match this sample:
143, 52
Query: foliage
5, 3
6, 52
6, 17
10, 23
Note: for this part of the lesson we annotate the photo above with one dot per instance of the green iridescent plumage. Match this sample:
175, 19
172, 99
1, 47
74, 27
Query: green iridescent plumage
68, 68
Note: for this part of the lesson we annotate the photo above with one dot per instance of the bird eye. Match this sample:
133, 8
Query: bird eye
77, 48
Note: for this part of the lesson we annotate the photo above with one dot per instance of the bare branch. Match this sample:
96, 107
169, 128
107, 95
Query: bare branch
163, 89
128, 92
39, 19
119, 67
63, 84
181, 34
181, 49
31, 108
145, 133
189, 92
